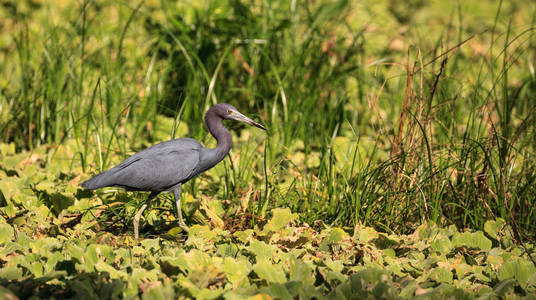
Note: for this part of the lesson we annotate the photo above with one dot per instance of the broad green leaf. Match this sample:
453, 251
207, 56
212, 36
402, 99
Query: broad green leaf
425, 231
150, 244
491, 228
499, 231
57, 201
139, 274
270, 272
206, 276
11, 273
45, 245
244, 236
209, 293
440, 275
235, 270
194, 259
201, 236
462, 270
245, 293
104, 267
277, 291
262, 250
36, 268
335, 266
504, 287
91, 256
519, 269
198, 289
85, 288
389, 253
365, 234
368, 283
47, 186
334, 277
9, 187
408, 289
334, 237
442, 245
6, 233
471, 240
158, 292
227, 249
173, 265
301, 272
280, 218
75, 252
7, 149
13, 162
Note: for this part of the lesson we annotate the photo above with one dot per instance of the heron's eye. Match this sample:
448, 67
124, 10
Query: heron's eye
229, 111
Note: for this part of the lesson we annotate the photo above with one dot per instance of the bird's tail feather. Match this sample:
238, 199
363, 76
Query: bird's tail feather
95, 182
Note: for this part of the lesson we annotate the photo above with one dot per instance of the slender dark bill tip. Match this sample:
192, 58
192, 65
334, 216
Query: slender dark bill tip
241, 118
257, 125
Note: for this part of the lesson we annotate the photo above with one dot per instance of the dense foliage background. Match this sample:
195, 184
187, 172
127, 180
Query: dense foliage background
383, 116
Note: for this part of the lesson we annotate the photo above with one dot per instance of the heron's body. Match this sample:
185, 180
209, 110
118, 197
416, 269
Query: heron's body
158, 168
166, 166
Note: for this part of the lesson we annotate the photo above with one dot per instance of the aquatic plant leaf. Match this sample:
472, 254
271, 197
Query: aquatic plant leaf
471, 240
269, 272
280, 218
519, 269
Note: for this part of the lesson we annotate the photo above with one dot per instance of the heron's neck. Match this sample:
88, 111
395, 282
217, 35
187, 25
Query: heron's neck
220, 133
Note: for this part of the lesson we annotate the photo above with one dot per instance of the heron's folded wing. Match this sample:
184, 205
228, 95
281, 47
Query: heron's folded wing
158, 171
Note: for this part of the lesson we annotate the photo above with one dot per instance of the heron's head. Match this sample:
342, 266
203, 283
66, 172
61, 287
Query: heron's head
229, 112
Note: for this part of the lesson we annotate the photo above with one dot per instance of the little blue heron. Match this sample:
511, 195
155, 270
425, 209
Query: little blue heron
164, 167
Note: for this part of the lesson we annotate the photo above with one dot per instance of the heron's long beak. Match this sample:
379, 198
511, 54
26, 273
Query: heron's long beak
235, 115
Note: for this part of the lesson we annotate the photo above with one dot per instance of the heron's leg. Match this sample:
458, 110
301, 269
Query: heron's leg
177, 194
138, 214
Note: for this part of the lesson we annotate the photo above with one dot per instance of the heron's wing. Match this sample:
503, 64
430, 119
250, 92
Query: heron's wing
155, 170
161, 148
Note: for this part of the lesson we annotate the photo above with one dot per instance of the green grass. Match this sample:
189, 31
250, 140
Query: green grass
387, 122
384, 114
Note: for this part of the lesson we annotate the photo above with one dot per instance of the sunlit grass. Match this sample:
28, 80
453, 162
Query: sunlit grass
376, 115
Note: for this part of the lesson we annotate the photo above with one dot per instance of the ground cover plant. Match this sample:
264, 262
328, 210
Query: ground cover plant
399, 161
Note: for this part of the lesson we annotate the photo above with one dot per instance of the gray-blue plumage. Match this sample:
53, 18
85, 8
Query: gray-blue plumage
167, 165
155, 169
